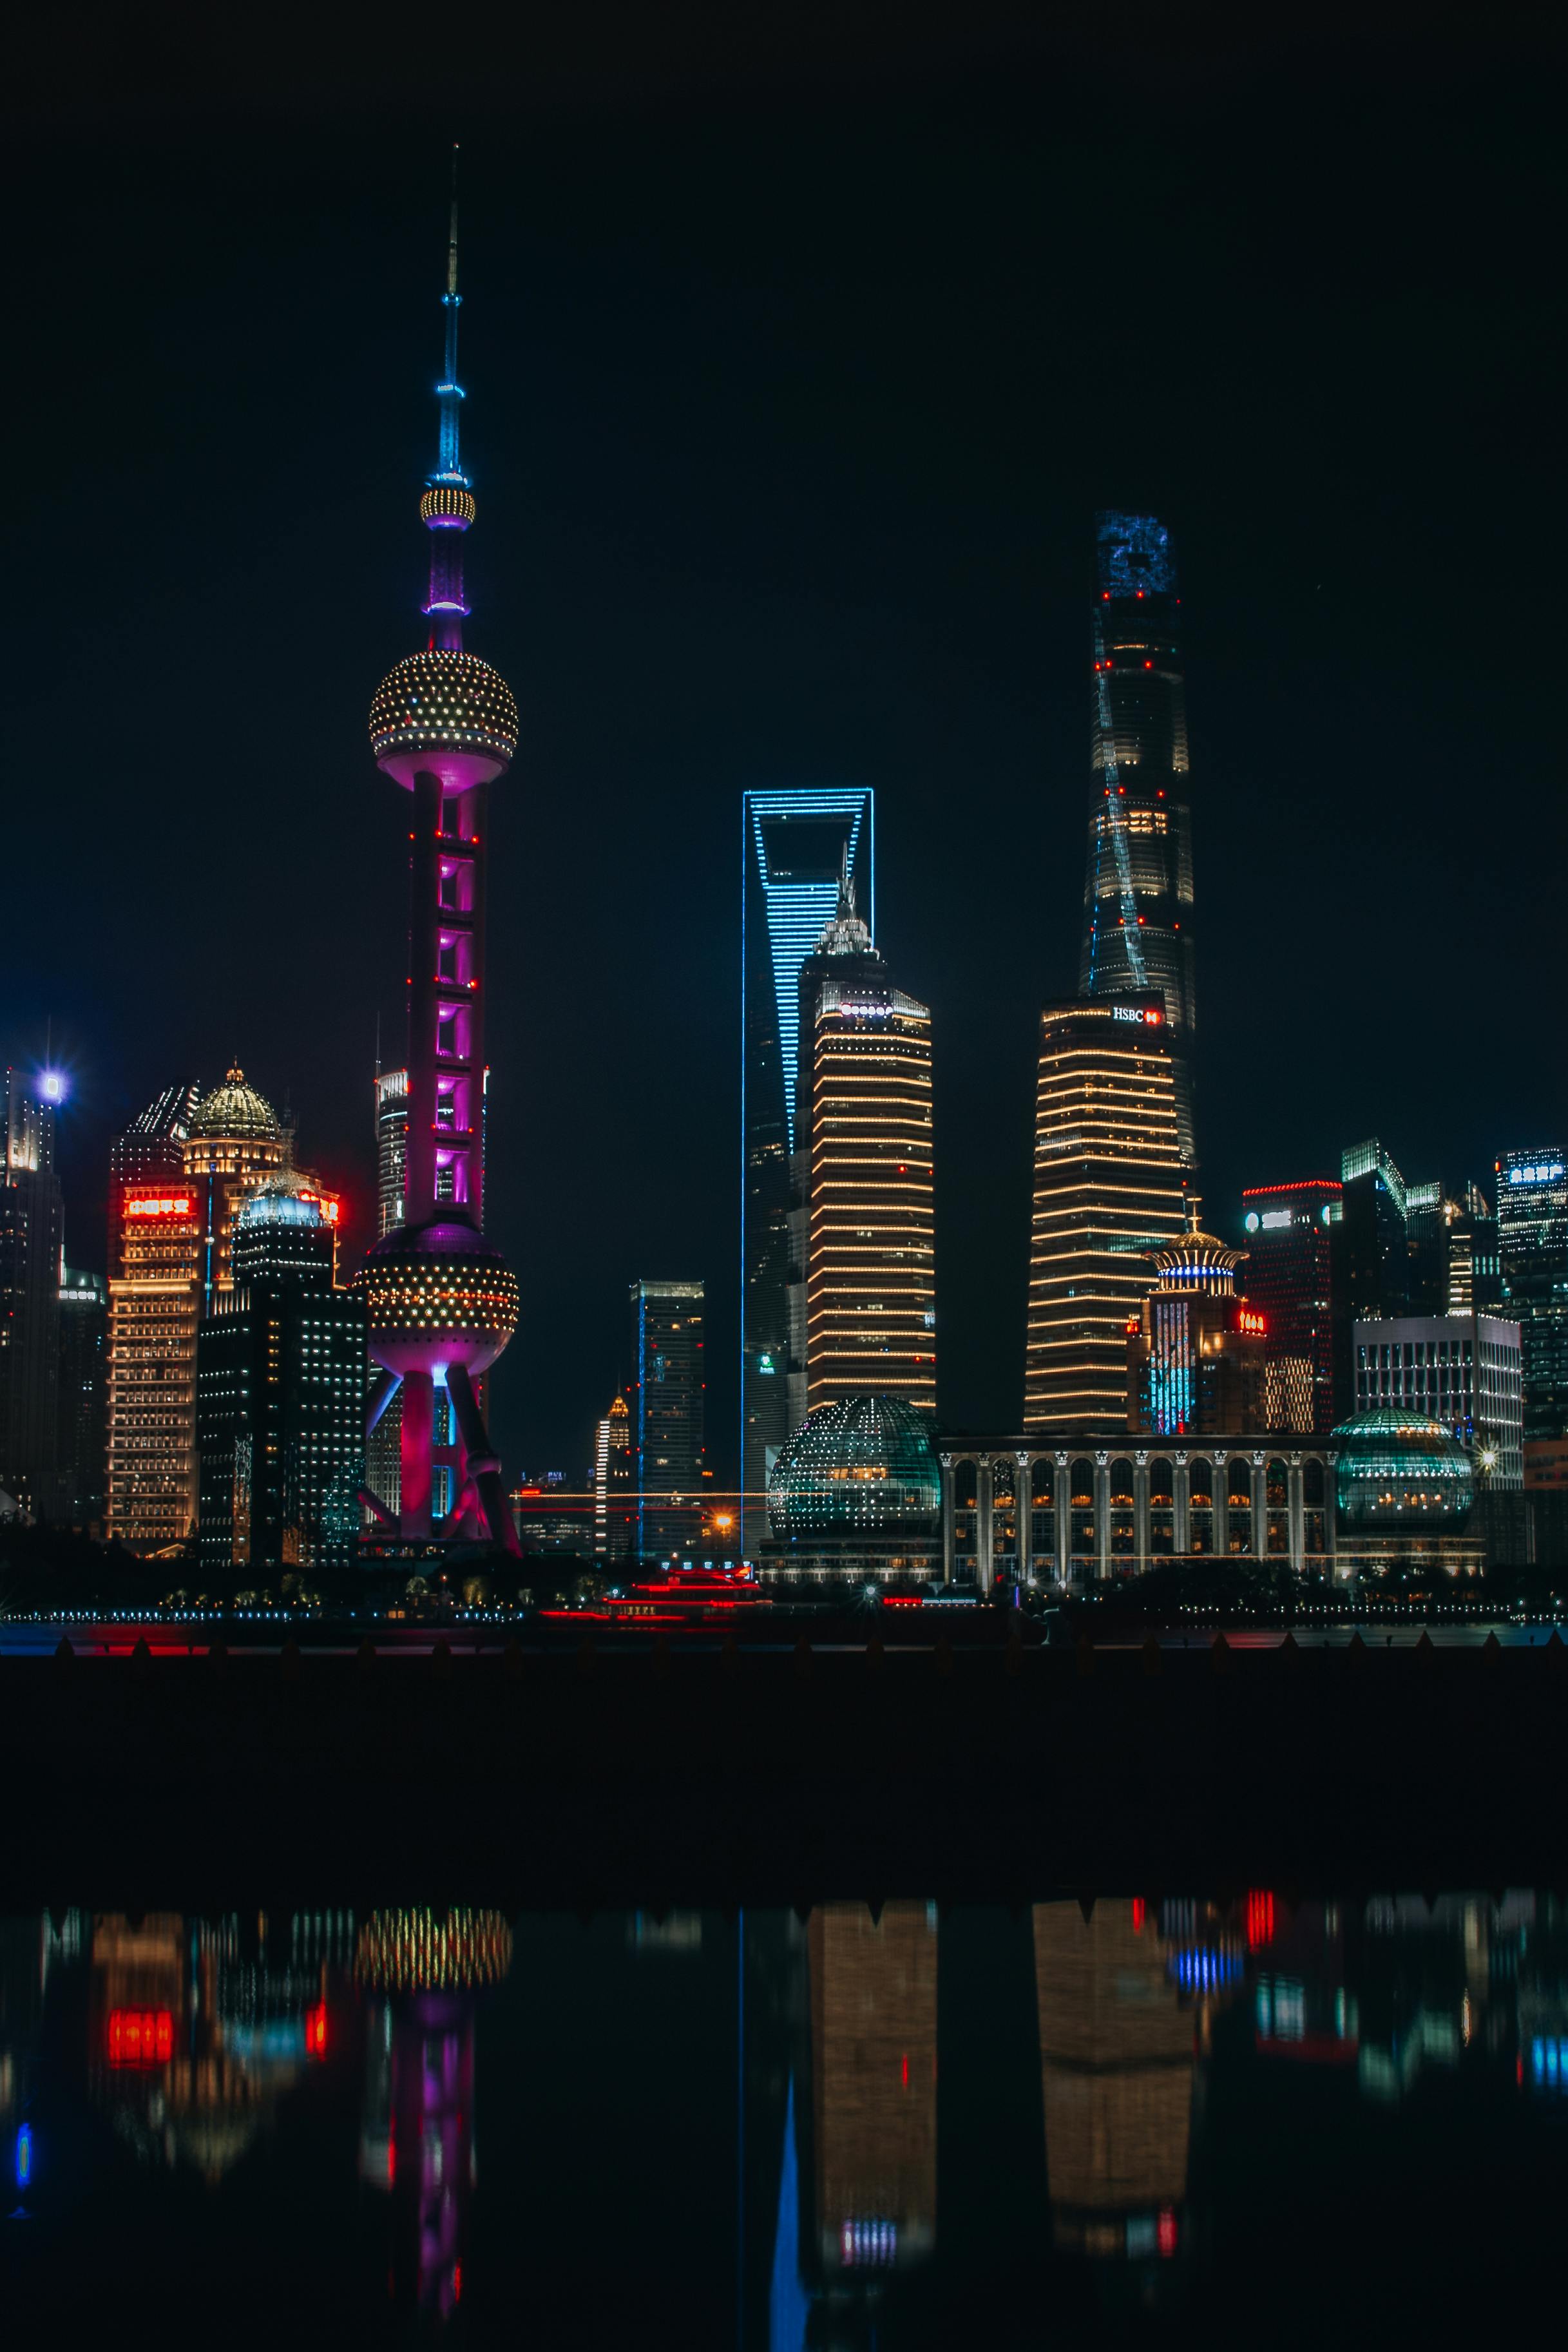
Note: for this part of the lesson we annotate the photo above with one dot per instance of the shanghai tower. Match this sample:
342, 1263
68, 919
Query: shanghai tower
1138, 895
441, 1300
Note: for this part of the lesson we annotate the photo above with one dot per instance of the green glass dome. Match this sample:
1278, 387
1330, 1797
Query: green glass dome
864, 1466
1397, 1469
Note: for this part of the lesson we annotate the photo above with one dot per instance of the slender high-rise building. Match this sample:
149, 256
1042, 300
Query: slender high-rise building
862, 1227
1108, 1191
1533, 1228
614, 1502
795, 847
669, 1414
155, 1260
1137, 898
31, 1222
441, 1300
83, 1427
390, 1147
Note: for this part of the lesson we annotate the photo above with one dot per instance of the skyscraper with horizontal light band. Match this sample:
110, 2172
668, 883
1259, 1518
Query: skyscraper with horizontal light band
1109, 1188
863, 1231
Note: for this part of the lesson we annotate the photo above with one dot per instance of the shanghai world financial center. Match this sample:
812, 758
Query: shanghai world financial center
798, 850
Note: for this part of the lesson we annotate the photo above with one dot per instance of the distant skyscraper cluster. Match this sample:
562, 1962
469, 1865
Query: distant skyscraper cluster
223, 1397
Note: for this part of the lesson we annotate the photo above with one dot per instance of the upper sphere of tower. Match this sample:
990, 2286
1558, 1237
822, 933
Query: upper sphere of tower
437, 701
447, 506
234, 1109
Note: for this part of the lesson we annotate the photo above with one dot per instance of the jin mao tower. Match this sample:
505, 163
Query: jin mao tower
440, 1299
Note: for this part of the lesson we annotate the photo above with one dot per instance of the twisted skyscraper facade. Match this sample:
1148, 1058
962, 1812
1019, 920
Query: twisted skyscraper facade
1138, 895
1113, 1118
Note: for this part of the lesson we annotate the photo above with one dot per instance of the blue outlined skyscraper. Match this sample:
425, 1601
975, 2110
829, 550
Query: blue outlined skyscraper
796, 848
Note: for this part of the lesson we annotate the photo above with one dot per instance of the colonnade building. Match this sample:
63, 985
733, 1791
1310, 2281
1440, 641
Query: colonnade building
1075, 1511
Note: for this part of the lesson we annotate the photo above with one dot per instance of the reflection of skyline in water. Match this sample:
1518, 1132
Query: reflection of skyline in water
417, 2140
1163, 2037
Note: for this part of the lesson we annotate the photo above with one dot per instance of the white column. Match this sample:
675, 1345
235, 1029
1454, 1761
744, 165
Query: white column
986, 1565
1062, 1489
1182, 1506
1024, 1513
1298, 1520
947, 1529
1102, 1517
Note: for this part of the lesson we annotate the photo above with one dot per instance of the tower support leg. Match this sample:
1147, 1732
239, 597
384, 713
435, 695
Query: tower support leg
413, 1489
483, 1465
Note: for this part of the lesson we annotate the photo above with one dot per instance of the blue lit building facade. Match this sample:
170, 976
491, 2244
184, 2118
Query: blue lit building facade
1532, 1238
797, 849
1196, 1360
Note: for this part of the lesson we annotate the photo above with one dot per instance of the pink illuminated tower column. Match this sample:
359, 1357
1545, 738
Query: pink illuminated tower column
442, 1302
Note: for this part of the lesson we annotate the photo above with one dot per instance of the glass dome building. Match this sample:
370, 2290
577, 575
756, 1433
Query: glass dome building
1397, 1471
862, 1469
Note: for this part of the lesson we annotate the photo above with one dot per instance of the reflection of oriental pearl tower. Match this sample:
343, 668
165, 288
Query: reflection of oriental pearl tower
441, 1299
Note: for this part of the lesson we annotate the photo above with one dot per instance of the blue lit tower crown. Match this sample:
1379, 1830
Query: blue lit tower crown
441, 1302
1138, 894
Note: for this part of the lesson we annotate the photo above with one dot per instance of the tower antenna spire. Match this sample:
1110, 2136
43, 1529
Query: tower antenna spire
452, 239
448, 505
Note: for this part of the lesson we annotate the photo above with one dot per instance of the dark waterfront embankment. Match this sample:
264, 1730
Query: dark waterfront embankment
594, 1776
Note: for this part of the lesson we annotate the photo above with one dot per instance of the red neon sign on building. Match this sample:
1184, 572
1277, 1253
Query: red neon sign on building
140, 2037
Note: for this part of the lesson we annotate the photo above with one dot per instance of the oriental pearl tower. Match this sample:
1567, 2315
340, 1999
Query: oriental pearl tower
441, 1300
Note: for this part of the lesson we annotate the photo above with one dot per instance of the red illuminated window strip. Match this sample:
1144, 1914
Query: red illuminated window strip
140, 2037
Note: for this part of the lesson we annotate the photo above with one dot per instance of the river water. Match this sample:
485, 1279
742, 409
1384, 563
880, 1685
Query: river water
1172, 2120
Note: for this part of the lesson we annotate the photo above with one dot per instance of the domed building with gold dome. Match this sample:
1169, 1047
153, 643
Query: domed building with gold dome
1196, 1353
236, 1142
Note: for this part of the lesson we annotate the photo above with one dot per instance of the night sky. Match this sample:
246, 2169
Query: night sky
797, 363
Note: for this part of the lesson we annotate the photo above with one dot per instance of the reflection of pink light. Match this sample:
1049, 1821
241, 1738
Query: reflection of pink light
1167, 2230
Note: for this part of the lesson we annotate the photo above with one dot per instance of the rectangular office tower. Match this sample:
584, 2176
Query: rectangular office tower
1109, 1190
668, 1408
1461, 1370
1295, 1280
280, 1396
862, 1227
1532, 1237
1138, 893
155, 1302
31, 1219
796, 849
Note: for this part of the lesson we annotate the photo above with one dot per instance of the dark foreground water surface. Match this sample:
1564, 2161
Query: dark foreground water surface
1171, 2121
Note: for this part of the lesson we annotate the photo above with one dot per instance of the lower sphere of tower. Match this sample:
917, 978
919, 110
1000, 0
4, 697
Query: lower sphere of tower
437, 1294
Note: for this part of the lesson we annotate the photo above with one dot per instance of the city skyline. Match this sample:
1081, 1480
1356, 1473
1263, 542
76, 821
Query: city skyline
861, 650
